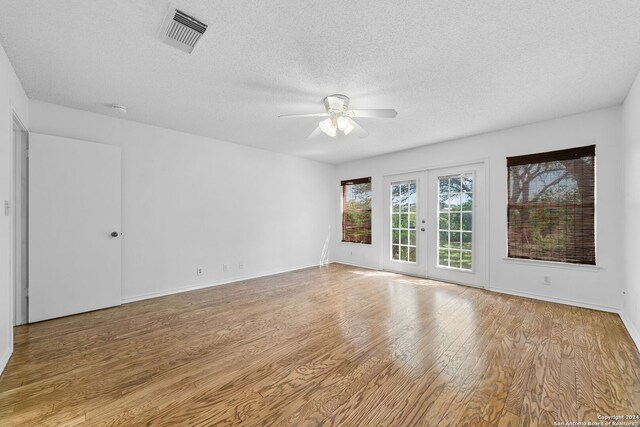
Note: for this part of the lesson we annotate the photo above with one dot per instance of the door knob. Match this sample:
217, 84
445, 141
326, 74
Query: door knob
115, 234
422, 229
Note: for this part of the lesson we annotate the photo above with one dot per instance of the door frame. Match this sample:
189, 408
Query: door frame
485, 164
15, 257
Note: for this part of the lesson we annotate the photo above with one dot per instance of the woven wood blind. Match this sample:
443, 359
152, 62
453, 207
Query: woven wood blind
551, 206
356, 210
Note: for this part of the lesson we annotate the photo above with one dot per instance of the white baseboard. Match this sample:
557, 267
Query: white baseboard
631, 328
633, 331
5, 359
516, 293
210, 284
556, 300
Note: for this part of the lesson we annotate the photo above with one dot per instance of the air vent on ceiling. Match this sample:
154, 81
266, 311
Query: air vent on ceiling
181, 30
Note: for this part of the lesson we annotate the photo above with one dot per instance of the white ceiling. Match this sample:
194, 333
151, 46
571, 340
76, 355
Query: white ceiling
450, 68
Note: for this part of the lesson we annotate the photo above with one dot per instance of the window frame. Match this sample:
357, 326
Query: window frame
553, 156
343, 187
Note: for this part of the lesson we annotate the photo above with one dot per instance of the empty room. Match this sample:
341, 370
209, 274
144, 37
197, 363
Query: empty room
331, 213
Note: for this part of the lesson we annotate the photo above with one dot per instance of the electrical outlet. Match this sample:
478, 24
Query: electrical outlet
240, 265
547, 280
225, 267
199, 271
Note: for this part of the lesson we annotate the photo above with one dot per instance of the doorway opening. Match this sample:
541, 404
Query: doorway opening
20, 223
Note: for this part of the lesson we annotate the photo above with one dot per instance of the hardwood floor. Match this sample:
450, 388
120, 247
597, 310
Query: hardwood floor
339, 346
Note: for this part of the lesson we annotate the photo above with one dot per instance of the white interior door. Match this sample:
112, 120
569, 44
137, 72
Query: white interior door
74, 207
456, 223
405, 224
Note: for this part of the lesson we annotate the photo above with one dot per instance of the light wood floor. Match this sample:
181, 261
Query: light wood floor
336, 346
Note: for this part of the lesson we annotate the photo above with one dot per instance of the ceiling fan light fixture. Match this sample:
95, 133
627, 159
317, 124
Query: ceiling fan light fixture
340, 117
327, 126
342, 123
345, 125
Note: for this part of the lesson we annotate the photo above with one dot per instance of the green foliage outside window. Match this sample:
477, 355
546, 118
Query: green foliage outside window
356, 211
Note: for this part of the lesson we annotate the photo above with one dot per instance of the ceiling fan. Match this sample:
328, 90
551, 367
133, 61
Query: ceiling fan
340, 118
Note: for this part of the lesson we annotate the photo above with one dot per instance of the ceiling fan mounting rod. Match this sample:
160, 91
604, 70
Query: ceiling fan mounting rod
336, 104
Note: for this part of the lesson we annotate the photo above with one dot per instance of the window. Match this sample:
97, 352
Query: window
551, 206
403, 221
356, 210
455, 221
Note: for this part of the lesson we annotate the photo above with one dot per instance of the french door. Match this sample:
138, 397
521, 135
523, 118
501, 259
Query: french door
434, 224
405, 218
457, 225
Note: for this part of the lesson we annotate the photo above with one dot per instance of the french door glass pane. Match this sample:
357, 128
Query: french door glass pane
455, 221
404, 203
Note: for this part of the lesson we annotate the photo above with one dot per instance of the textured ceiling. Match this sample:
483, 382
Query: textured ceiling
450, 68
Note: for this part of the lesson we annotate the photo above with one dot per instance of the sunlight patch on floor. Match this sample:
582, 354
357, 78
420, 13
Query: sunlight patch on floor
374, 273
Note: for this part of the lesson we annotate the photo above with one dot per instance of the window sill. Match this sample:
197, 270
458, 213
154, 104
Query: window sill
552, 264
354, 243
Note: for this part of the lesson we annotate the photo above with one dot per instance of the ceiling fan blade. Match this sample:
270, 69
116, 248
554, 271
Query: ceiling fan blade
315, 133
380, 113
357, 129
305, 115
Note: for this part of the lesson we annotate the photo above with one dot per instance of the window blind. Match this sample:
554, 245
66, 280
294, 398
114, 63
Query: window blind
551, 206
356, 210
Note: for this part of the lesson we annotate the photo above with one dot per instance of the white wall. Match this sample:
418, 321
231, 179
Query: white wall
12, 98
631, 121
596, 288
191, 201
